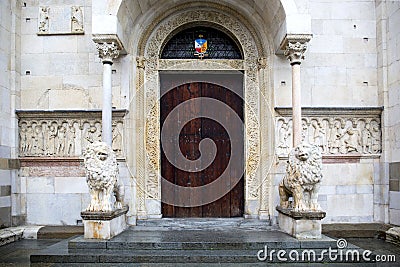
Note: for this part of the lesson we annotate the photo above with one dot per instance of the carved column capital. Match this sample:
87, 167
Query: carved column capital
294, 46
108, 51
262, 63
140, 62
295, 52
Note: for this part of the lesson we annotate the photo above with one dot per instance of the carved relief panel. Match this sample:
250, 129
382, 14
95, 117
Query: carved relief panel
64, 134
60, 20
337, 131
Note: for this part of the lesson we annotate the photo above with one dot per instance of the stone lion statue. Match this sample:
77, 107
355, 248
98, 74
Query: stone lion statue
102, 177
302, 178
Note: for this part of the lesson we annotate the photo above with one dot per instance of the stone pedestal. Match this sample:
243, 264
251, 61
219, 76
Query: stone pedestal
104, 225
300, 224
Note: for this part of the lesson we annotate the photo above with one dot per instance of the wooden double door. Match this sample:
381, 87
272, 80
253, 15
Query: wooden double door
177, 89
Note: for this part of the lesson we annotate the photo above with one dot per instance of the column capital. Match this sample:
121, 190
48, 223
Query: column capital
140, 62
109, 47
262, 63
295, 45
108, 51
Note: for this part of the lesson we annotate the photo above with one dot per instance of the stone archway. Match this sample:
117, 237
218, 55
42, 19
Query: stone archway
147, 104
281, 17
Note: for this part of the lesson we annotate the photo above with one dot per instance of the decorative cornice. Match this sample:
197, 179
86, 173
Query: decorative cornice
209, 64
109, 38
332, 111
294, 38
70, 114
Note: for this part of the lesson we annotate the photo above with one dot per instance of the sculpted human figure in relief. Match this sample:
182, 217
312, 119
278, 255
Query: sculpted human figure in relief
302, 178
102, 177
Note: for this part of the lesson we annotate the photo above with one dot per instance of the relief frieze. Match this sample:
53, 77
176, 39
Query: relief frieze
65, 133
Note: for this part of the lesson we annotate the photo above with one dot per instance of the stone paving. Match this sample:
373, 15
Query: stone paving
212, 232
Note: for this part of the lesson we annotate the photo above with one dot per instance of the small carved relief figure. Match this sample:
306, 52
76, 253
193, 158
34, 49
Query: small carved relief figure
117, 140
334, 138
366, 139
376, 137
38, 143
44, 19
29, 140
51, 150
71, 135
22, 139
61, 140
319, 135
304, 131
284, 134
76, 19
93, 135
352, 141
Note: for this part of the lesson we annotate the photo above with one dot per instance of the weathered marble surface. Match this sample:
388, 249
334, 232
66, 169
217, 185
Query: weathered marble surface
102, 177
302, 225
104, 225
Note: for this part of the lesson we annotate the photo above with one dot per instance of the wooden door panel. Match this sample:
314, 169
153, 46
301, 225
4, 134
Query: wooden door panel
229, 205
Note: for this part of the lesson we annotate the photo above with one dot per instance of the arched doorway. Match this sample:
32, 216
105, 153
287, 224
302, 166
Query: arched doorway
150, 64
192, 94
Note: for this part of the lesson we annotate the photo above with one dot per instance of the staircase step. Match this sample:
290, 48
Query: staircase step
184, 246
59, 253
204, 240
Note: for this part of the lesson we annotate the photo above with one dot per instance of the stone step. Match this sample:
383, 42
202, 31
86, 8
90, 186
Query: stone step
59, 232
184, 246
74, 246
59, 253
204, 240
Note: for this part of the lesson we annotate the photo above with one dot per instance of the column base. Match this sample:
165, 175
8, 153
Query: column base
104, 225
300, 224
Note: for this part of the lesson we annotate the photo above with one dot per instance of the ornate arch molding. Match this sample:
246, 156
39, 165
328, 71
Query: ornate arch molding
148, 144
201, 7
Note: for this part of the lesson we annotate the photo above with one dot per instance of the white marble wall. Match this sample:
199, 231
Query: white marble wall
388, 19
9, 100
58, 199
62, 71
339, 61
340, 70
347, 191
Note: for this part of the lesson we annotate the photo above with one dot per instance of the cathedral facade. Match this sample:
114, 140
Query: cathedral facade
201, 95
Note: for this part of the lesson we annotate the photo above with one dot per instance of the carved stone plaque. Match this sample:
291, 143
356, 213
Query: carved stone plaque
60, 20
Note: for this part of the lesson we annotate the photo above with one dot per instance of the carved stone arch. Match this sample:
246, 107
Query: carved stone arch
148, 124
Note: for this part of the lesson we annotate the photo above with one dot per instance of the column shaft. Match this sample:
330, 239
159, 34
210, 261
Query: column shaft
296, 104
107, 104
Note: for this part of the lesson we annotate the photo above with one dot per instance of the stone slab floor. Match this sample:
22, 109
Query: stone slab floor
18, 253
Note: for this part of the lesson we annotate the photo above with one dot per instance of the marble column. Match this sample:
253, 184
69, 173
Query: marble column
295, 54
107, 52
